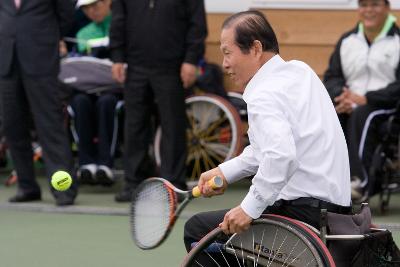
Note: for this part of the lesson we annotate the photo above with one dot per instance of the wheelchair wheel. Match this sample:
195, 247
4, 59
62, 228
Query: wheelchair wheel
213, 134
270, 241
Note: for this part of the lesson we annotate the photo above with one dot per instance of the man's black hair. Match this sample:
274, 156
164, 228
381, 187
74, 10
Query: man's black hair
250, 26
386, 1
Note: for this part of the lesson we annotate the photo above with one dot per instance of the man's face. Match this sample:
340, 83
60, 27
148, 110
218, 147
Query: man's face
373, 14
239, 66
97, 11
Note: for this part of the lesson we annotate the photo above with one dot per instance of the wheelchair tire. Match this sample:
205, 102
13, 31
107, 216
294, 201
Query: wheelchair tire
272, 240
213, 134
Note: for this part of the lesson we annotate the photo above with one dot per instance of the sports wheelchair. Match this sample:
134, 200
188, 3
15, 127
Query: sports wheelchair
273, 240
214, 134
384, 172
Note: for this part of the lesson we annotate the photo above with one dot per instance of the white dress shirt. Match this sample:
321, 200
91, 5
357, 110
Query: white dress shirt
297, 146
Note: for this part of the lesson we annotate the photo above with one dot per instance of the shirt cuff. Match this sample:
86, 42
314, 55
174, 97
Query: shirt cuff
252, 205
231, 170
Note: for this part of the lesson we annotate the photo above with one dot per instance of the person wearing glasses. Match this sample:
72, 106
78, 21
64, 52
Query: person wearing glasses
363, 82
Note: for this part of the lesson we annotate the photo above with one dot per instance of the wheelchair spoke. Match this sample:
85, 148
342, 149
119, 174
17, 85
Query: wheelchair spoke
220, 149
218, 137
272, 248
259, 251
213, 115
196, 170
222, 254
291, 254
211, 257
216, 153
237, 259
205, 159
214, 125
199, 264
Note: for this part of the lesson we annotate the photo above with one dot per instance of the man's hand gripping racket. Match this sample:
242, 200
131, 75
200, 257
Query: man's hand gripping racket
155, 208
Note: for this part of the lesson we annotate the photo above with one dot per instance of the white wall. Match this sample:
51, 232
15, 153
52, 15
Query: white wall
230, 6
226, 6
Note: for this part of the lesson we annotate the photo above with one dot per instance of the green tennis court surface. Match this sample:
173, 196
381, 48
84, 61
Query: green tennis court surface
95, 232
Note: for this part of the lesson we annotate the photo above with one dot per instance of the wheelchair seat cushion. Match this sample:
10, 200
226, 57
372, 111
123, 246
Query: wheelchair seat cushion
343, 251
357, 224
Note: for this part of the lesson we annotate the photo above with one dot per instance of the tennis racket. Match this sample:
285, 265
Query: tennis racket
155, 208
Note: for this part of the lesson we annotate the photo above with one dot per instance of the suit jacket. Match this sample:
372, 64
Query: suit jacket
157, 33
31, 34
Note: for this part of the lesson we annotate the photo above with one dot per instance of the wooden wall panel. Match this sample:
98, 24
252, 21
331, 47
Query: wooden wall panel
306, 35
317, 56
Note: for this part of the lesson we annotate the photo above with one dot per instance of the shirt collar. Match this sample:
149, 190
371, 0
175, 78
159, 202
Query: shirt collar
265, 70
390, 20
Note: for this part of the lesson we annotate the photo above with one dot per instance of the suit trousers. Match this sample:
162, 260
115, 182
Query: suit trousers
146, 88
24, 96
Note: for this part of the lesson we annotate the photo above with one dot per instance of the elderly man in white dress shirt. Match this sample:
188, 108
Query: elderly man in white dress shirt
297, 152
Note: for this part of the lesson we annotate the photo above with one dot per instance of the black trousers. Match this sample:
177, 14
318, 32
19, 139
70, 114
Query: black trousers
362, 131
24, 96
94, 117
144, 87
202, 223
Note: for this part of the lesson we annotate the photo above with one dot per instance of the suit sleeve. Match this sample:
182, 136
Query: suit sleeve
333, 78
117, 31
197, 31
66, 13
386, 97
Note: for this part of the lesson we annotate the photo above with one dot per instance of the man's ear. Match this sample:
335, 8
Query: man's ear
257, 46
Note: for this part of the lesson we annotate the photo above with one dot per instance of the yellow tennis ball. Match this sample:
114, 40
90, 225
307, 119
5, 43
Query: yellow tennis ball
61, 180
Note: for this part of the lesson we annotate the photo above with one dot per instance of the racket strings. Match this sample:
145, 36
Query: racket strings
152, 212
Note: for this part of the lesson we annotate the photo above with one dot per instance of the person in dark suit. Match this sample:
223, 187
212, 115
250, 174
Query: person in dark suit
30, 31
161, 41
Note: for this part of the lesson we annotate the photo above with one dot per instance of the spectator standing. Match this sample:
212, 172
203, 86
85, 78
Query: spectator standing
161, 41
363, 80
30, 32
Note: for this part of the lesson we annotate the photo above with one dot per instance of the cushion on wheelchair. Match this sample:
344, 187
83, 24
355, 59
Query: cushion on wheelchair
343, 251
357, 224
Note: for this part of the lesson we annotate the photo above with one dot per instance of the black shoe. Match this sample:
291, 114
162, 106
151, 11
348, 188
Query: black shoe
125, 195
64, 200
25, 197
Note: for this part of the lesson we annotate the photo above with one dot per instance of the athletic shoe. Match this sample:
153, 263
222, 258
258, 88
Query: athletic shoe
86, 174
104, 175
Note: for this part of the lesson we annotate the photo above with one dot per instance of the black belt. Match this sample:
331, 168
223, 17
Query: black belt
315, 203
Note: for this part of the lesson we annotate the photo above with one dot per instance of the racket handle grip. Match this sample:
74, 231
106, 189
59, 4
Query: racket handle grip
215, 183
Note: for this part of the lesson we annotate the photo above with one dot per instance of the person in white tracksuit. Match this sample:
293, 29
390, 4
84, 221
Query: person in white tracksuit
363, 81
